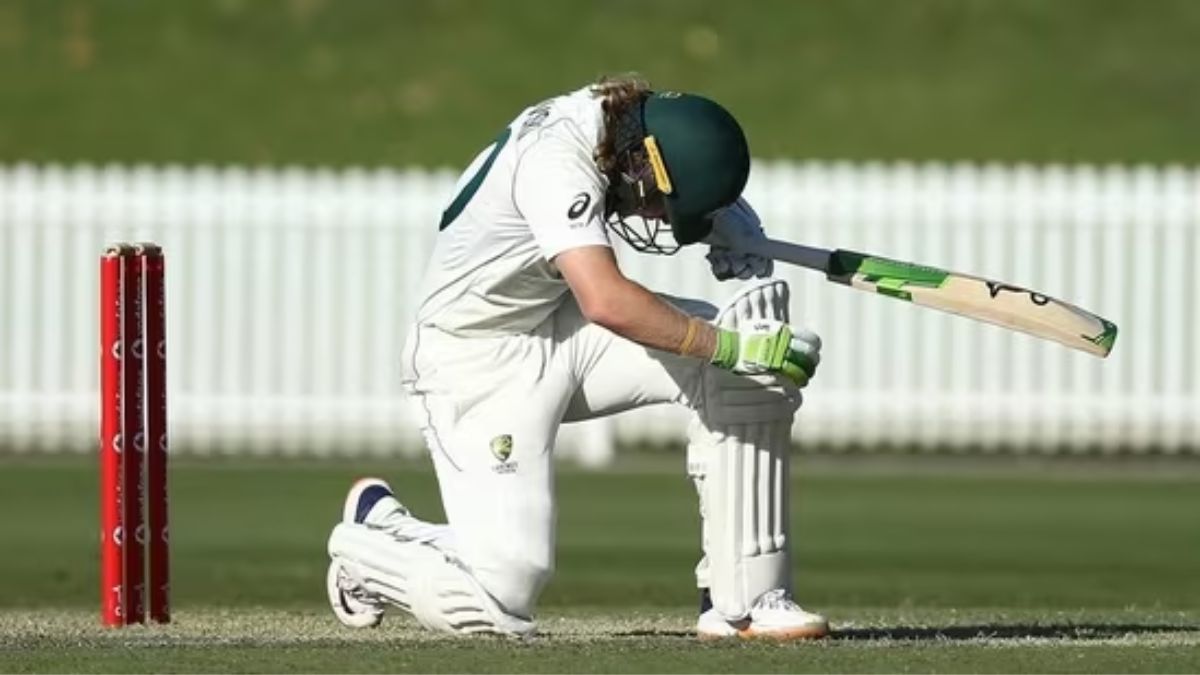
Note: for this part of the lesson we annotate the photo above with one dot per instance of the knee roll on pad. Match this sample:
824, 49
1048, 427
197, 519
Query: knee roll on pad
738, 448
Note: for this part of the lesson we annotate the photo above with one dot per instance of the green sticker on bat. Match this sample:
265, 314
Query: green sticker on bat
889, 276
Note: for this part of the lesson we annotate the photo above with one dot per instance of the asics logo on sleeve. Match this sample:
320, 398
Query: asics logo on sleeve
582, 200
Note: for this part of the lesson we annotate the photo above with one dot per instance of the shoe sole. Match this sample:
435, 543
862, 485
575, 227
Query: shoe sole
781, 635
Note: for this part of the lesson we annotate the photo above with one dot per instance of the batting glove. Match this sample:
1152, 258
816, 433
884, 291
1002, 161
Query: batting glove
768, 346
732, 225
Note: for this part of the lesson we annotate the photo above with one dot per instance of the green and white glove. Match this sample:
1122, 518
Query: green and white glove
767, 346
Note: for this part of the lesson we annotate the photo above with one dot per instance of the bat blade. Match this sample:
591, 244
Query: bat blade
974, 297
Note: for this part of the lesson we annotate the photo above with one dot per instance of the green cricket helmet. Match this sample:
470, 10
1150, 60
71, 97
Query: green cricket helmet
695, 156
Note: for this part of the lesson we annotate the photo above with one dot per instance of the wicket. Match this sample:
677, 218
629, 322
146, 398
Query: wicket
133, 436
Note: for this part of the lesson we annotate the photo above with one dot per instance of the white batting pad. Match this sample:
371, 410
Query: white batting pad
738, 458
422, 579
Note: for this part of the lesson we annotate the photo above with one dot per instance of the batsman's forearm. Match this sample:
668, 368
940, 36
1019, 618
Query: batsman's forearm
634, 313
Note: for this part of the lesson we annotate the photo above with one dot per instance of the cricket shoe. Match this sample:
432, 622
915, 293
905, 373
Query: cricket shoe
370, 501
773, 616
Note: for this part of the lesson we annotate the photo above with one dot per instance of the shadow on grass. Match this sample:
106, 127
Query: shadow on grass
1066, 631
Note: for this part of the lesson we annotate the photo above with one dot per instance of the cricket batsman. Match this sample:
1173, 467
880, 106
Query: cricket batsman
526, 322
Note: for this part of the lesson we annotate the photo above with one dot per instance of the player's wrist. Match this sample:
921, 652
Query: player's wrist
725, 351
689, 338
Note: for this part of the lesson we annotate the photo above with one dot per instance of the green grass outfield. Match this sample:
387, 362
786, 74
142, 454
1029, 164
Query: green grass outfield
430, 82
981, 568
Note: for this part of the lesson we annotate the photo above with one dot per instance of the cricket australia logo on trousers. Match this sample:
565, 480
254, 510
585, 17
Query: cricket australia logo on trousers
502, 447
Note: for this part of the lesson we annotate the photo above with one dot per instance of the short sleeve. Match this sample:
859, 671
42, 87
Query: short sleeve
560, 193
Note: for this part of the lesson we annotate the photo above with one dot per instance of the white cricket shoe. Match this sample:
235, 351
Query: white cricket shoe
352, 605
774, 616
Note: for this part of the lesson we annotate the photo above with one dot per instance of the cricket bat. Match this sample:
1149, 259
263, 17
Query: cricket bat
991, 301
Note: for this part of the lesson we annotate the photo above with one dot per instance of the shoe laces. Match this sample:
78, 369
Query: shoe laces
398, 517
403, 527
393, 522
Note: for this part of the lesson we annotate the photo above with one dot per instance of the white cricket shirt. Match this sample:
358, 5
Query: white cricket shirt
531, 195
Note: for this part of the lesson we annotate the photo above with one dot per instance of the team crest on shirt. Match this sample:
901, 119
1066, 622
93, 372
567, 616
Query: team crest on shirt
502, 447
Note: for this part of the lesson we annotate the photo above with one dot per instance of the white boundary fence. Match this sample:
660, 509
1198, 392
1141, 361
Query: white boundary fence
289, 292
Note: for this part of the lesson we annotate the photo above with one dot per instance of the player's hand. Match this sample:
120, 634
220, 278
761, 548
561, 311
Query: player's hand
768, 346
730, 226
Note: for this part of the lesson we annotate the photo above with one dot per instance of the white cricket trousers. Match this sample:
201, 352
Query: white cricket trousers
490, 408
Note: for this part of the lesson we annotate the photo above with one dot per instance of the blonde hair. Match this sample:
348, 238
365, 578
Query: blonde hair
619, 93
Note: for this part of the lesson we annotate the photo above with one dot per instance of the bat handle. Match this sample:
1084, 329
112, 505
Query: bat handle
795, 254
